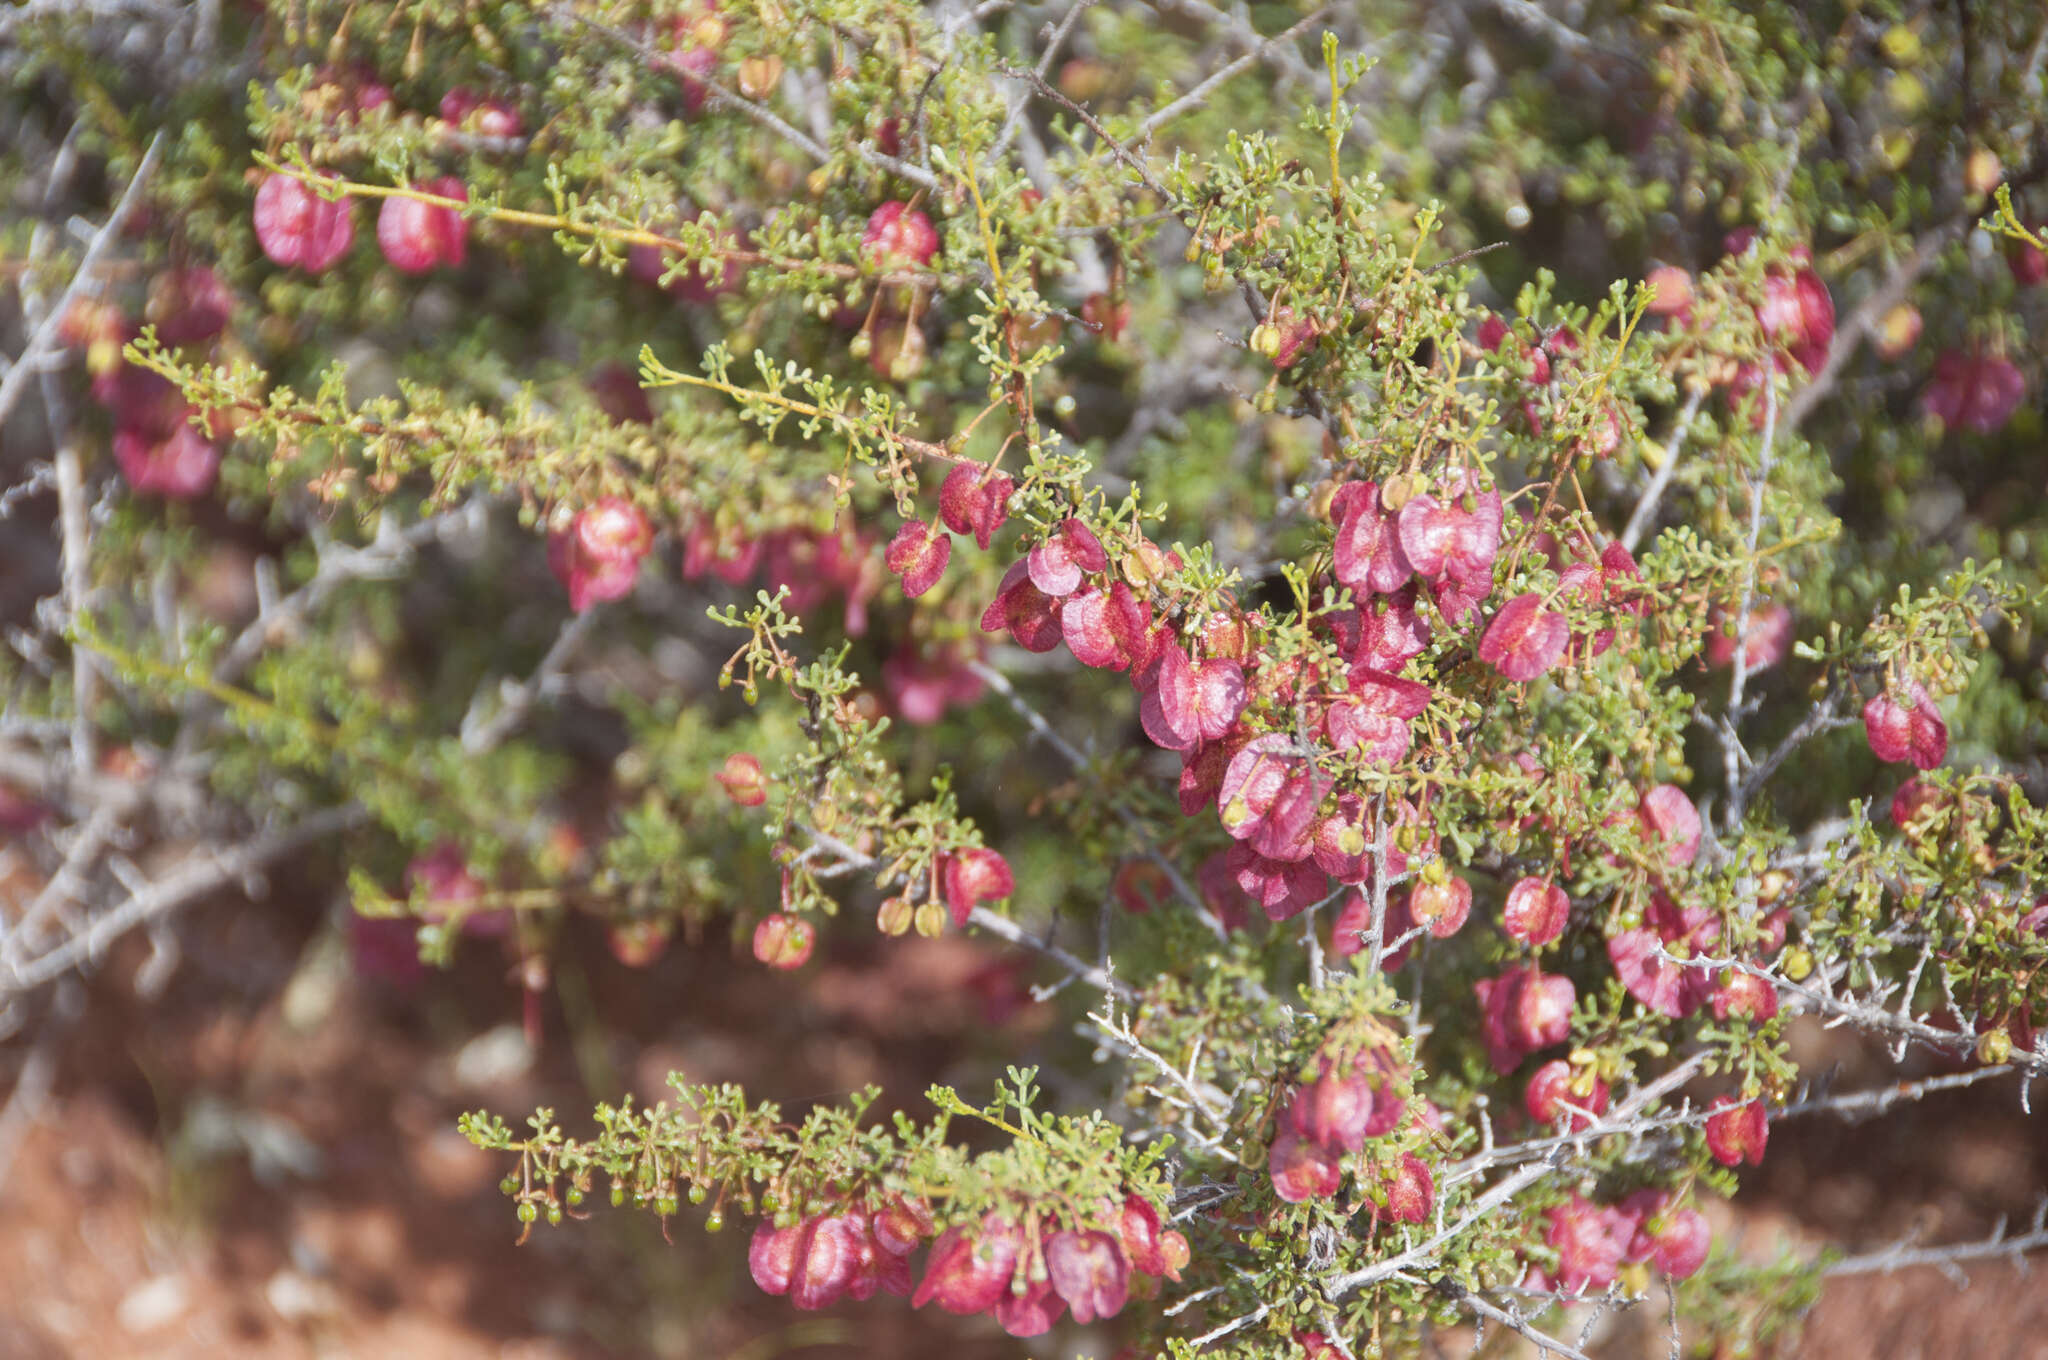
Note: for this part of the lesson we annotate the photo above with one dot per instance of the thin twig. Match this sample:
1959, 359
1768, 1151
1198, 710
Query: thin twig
517, 698
1015, 118
387, 554
1900, 1255
1646, 508
1001, 926
1162, 116
29, 361
202, 873
1000, 683
1508, 1318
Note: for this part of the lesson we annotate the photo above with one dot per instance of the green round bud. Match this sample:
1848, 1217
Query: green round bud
714, 1221
528, 1211
554, 1215
696, 1194
618, 1195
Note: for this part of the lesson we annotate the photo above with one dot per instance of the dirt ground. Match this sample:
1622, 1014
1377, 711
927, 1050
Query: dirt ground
262, 1161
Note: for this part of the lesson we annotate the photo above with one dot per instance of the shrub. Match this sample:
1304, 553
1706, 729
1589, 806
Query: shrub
1419, 530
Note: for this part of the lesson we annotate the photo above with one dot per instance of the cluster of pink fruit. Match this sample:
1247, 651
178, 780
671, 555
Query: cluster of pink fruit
1593, 1242
812, 566
1796, 314
1351, 1099
1276, 802
1974, 389
158, 441
1550, 354
387, 947
1024, 1274
296, 225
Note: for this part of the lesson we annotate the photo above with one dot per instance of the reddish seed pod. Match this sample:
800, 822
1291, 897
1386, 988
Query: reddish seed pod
826, 1260
1058, 564
919, 554
902, 1225
1031, 1312
973, 876
743, 781
1521, 1011
1679, 1242
295, 226
1333, 1110
416, 236
1903, 724
1089, 1271
1138, 1228
1292, 333
1738, 1133
771, 1256
181, 466
1745, 994
1410, 1191
598, 556
1269, 798
1301, 1168
637, 944
784, 941
1671, 823
1368, 554
1590, 1242
1375, 716
1674, 290
1028, 614
1525, 639
975, 501
1536, 911
1552, 1093
899, 234
1348, 931
188, 306
969, 1270
1976, 392
1655, 981
493, 117
1441, 908
1192, 704
1766, 638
